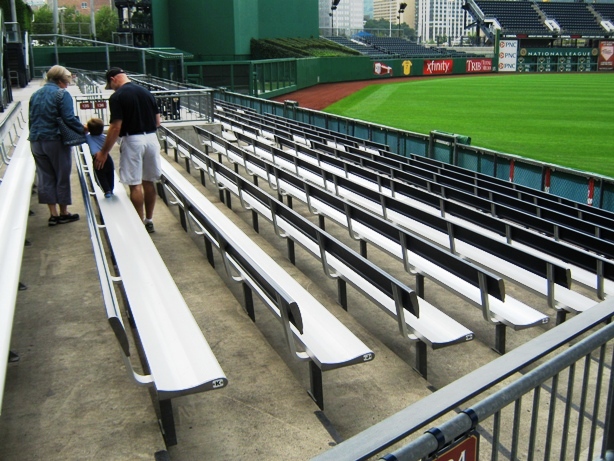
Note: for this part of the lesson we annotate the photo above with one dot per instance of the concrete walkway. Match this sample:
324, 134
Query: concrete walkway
70, 397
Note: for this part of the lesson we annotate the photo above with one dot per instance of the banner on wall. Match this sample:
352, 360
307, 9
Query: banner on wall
508, 55
382, 69
606, 56
479, 65
438, 66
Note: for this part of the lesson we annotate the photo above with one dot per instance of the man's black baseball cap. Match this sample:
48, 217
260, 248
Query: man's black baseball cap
112, 72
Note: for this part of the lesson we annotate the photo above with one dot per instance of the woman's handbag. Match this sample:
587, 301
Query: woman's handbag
70, 137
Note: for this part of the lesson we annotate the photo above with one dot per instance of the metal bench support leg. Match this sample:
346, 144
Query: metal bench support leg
561, 316
363, 248
342, 293
500, 331
255, 221
316, 392
161, 192
420, 285
421, 358
167, 422
182, 219
209, 251
228, 200
321, 222
291, 255
249, 301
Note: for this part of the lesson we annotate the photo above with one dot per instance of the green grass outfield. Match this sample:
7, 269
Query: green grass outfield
564, 119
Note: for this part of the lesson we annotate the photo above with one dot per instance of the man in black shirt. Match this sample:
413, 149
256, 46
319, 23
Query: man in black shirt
134, 120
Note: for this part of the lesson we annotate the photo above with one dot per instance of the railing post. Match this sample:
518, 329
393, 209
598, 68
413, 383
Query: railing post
608, 431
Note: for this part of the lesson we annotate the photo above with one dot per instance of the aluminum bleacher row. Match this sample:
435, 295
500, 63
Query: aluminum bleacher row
419, 321
565, 220
523, 17
583, 251
177, 359
323, 341
387, 47
15, 194
308, 183
588, 267
361, 47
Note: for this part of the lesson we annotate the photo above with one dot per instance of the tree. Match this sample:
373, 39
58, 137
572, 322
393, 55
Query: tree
43, 23
382, 27
74, 23
23, 11
106, 23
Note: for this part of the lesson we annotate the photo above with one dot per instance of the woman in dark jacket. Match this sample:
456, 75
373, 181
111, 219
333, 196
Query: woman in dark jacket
53, 159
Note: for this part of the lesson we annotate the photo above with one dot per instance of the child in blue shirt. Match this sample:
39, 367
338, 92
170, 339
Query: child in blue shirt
95, 140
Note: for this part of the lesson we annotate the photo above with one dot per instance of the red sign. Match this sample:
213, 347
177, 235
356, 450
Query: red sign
86, 105
479, 65
381, 69
439, 66
465, 450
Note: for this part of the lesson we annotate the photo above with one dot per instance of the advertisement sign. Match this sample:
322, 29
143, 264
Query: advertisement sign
438, 67
479, 65
508, 54
406, 67
465, 450
606, 56
382, 69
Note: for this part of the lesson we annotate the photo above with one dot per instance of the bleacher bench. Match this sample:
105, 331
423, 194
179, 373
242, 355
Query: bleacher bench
177, 359
15, 194
322, 339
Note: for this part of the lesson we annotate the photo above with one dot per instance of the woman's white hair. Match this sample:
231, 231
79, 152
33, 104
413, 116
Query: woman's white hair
59, 74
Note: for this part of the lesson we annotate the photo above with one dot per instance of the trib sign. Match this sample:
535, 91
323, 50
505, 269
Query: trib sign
466, 450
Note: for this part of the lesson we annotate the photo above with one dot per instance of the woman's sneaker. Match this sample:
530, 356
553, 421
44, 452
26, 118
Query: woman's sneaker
53, 220
66, 218
149, 227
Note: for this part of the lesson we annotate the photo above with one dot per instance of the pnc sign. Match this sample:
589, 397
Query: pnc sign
465, 450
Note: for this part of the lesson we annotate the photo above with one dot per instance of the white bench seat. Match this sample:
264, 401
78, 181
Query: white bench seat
565, 298
433, 327
15, 195
510, 312
325, 340
179, 359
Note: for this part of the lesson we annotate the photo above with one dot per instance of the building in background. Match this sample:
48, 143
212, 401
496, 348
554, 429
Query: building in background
82, 6
440, 21
389, 10
346, 19
368, 11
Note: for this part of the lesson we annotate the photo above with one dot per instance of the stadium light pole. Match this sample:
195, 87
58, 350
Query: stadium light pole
390, 18
333, 7
402, 7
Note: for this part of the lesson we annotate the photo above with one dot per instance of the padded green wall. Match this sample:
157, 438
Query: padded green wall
288, 18
222, 29
159, 16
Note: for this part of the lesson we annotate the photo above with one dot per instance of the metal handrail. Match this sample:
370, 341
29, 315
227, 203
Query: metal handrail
416, 416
